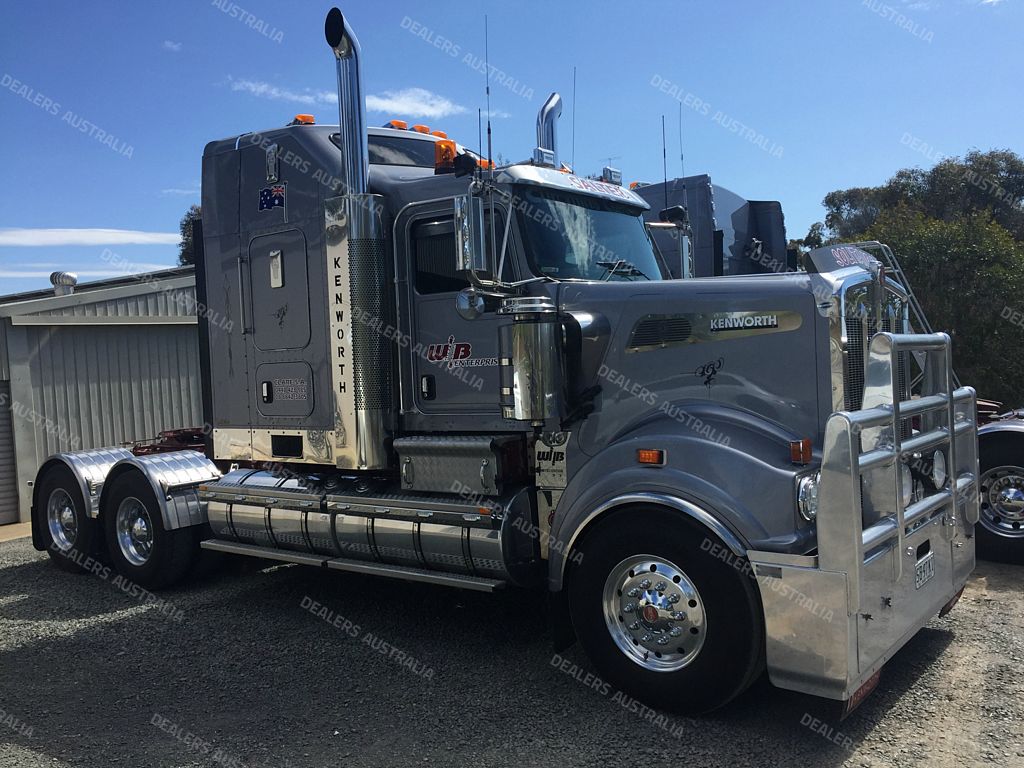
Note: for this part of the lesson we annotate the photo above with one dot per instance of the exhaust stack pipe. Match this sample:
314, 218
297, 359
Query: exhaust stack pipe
358, 279
351, 115
547, 133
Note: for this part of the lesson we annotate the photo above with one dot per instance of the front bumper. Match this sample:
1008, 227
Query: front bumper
833, 618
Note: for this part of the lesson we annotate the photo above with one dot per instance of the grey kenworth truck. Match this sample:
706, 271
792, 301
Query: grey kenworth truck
441, 371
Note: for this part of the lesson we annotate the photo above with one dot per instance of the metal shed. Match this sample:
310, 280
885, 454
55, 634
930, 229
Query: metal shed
113, 362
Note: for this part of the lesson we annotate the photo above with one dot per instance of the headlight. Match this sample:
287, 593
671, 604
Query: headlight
939, 469
906, 485
807, 496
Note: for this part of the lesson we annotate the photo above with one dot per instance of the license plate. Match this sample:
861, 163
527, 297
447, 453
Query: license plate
924, 570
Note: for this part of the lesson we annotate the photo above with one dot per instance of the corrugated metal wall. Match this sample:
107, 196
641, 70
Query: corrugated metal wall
8, 467
95, 386
101, 383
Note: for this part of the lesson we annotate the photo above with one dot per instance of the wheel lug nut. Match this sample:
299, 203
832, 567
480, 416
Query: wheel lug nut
635, 625
673, 598
629, 608
646, 639
634, 592
662, 641
679, 615
645, 584
675, 632
661, 586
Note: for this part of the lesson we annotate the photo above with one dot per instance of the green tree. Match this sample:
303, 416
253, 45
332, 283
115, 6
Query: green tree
186, 248
968, 274
958, 229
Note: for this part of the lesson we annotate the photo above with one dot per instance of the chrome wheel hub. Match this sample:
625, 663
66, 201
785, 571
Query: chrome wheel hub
134, 531
61, 520
654, 613
1002, 501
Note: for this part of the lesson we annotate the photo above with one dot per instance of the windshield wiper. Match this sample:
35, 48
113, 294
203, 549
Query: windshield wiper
620, 267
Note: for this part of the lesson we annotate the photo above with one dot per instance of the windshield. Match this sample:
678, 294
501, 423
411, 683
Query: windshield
576, 237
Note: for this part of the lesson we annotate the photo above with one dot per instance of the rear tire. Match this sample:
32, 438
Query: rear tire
71, 536
661, 616
140, 548
1000, 528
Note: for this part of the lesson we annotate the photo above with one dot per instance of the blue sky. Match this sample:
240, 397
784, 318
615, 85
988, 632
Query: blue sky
781, 100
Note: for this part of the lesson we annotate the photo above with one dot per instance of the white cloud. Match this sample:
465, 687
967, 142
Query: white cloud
170, 45
413, 102
268, 91
47, 237
407, 102
180, 191
990, 2
499, 114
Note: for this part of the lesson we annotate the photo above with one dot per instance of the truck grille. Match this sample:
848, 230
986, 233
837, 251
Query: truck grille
891, 322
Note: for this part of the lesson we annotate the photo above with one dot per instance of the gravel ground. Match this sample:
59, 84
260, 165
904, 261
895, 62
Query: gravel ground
234, 671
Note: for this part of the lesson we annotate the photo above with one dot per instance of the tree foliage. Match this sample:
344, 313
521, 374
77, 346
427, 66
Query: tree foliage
958, 229
186, 248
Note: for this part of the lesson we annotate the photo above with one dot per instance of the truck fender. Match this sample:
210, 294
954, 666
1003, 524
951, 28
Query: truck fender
90, 470
1007, 428
175, 478
692, 482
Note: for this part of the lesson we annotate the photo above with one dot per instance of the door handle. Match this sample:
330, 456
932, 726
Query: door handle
428, 388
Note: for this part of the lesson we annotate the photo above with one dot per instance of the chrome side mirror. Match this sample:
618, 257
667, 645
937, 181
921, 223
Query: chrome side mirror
470, 250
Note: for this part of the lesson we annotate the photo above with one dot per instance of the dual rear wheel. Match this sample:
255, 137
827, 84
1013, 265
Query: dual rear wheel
129, 534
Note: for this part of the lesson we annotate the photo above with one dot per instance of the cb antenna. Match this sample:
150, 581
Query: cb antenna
664, 160
682, 161
487, 80
572, 154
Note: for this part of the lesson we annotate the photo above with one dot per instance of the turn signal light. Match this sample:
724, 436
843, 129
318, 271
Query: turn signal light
444, 156
305, 120
485, 164
654, 457
399, 124
800, 451
439, 134
421, 129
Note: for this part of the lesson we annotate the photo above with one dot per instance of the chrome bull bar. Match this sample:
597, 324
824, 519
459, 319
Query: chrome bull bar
834, 617
862, 445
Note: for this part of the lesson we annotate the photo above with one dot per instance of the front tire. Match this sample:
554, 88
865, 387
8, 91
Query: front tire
140, 548
1000, 527
72, 536
661, 617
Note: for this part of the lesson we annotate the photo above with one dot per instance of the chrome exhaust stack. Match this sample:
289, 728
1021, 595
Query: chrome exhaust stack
360, 358
546, 152
351, 114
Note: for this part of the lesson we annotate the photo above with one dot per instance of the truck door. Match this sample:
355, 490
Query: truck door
454, 358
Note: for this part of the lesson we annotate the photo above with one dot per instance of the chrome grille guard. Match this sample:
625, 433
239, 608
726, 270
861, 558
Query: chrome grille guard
834, 617
863, 444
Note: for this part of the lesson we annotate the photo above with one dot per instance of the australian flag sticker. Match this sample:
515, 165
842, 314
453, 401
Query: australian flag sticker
272, 197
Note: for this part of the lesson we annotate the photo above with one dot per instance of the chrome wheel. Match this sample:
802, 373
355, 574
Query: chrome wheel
61, 520
1002, 501
134, 531
654, 613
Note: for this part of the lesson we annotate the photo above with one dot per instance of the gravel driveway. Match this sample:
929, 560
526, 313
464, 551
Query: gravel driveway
257, 664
